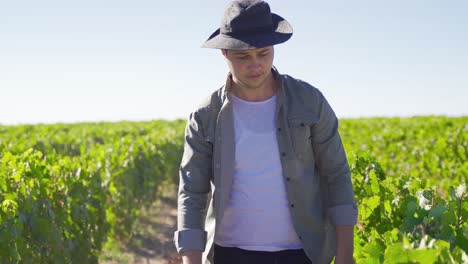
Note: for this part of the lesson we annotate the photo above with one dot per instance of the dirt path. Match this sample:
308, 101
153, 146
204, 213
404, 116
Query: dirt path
155, 229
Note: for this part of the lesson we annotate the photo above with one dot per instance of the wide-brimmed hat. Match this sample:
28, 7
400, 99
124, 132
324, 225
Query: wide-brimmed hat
249, 24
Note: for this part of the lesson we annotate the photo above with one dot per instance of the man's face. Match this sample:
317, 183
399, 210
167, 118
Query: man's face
250, 68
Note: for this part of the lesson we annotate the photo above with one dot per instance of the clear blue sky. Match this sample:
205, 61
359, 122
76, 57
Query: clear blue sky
69, 61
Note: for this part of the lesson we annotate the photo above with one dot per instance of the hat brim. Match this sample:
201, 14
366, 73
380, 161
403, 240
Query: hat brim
283, 31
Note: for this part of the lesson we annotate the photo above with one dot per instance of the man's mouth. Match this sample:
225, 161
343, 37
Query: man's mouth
255, 75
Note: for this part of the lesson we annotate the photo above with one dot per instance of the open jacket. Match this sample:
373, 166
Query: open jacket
315, 169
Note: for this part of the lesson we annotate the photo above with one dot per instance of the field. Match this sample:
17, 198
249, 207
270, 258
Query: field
71, 192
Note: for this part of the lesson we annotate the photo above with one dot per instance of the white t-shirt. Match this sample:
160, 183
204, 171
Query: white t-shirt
257, 216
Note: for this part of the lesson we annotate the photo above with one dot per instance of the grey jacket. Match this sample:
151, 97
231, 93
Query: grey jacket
315, 169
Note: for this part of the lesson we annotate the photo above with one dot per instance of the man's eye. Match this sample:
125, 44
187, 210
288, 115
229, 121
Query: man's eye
243, 57
263, 54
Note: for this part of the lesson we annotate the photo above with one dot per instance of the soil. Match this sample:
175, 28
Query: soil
153, 241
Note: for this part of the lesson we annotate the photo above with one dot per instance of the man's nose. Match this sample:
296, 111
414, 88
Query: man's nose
255, 64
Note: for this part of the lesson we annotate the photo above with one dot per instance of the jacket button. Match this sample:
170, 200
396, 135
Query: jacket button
288, 179
292, 205
300, 237
283, 154
279, 129
302, 125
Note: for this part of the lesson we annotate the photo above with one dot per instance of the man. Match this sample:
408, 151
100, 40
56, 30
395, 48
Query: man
266, 149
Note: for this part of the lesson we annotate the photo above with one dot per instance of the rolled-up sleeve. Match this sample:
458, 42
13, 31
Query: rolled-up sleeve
332, 164
194, 188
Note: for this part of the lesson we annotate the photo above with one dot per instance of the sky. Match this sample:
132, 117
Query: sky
102, 60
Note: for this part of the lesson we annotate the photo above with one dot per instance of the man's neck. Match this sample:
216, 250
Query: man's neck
261, 93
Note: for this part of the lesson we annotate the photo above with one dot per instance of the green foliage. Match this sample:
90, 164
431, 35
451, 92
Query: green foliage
409, 178
66, 190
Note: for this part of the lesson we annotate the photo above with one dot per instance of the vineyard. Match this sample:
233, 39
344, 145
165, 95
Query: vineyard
67, 191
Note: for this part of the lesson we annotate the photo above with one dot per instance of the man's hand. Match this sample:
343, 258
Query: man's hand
192, 257
344, 244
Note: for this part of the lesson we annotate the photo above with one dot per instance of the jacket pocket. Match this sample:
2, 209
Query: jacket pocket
300, 131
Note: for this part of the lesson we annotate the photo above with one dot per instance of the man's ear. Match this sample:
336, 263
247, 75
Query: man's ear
224, 52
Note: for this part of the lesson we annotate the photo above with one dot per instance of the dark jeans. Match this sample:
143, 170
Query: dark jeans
233, 255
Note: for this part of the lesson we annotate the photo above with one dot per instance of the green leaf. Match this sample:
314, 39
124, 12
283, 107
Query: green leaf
396, 254
368, 206
391, 236
375, 183
387, 206
411, 207
461, 241
3, 183
437, 211
425, 256
449, 217
372, 202
9, 207
16, 176
374, 252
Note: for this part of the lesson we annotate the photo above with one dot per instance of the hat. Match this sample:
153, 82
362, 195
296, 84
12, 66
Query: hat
249, 24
